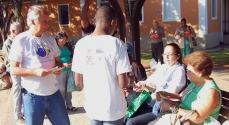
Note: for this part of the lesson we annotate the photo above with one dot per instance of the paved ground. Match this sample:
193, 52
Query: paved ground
76, 118
220, 74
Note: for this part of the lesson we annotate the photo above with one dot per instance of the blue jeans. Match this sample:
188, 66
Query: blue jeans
117, 122
36, 107
143, 116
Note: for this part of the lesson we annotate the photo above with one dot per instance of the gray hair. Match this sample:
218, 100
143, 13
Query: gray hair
155, 21
34, 13
14, 26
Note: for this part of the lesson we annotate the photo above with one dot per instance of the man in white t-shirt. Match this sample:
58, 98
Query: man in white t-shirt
33, 55
101, 65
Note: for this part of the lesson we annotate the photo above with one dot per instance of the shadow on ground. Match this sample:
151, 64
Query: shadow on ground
80, 110
220, 66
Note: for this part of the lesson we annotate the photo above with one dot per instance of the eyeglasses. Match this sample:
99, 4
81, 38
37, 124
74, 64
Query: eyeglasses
169, 55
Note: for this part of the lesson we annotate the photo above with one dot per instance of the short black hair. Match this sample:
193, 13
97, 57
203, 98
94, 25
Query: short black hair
105, 14
183, 20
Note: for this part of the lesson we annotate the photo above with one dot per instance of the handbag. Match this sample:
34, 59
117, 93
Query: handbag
193, 39
71, 83
135, 105
172, 119
167, 119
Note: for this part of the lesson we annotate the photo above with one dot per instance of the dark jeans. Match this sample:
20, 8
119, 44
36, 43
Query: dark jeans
157, 50
142, 116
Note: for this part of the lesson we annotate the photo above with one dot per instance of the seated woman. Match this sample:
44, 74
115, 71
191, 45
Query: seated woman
167, 77
202, 95
5, 77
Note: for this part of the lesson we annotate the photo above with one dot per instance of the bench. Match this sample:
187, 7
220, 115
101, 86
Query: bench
224, 111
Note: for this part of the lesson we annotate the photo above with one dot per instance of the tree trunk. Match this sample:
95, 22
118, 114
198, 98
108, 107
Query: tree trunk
3, 19
136, 34
121, 21
3, 35
17, 6
129, 19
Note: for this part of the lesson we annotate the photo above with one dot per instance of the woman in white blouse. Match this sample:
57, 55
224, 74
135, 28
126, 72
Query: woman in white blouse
168, 77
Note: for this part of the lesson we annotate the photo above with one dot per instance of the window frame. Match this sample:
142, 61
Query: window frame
164, 19
60, 15
216, 7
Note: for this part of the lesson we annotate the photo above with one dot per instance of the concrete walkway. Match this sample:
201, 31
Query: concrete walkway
220, 74
76, 118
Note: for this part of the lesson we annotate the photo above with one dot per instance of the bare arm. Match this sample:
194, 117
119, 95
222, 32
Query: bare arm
19, 71
84, 18
150, 33
123, 80
58, 64
177, 34
210, 101
163, 33
79, 80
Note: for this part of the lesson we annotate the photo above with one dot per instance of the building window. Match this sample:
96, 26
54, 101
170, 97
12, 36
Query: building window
63, 14
170, 10
214, 9
103, 2
131, 8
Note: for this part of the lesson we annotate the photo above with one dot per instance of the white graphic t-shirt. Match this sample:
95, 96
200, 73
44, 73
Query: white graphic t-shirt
101, 59
36, 52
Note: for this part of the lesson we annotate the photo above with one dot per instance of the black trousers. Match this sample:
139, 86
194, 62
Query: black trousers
157, 50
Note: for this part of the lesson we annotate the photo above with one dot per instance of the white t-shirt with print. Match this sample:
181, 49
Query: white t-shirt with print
36, 52
101, 59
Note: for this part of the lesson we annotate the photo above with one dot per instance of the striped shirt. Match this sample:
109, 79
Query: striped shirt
6, 50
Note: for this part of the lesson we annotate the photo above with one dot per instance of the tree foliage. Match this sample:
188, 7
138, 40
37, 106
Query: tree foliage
10, 10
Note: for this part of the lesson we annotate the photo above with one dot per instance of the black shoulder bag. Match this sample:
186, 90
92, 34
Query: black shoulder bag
193, 39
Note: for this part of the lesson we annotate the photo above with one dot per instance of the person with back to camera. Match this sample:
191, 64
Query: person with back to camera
170, 77
202, 95
184, 35
35, 57
101, 65
66, 54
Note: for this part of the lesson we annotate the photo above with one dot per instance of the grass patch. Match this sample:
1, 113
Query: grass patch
146, 57
217, 57
221, 56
